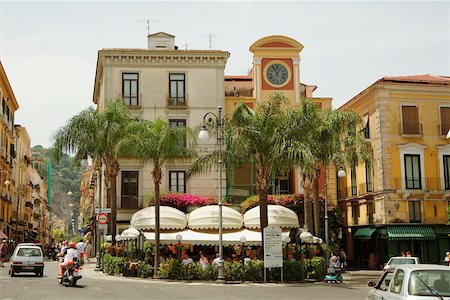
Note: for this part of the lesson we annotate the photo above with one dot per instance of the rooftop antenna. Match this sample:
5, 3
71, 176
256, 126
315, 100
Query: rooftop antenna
210, 38
148, 21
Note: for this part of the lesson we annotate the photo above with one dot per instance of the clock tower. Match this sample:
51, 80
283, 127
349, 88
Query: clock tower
276, 68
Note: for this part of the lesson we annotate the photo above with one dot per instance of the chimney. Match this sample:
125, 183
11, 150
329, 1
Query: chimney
161, 41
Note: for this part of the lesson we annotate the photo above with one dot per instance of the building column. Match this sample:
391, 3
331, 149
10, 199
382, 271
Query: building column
257, 77
296, 78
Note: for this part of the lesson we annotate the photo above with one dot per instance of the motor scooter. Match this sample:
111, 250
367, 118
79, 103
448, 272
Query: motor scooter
71, 274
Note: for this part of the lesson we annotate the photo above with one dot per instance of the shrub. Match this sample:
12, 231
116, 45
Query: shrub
182, 201
233, 271
171, 269
145, 270
254, 270
112, 264
315, 268
210, 273
284, 200
192, 271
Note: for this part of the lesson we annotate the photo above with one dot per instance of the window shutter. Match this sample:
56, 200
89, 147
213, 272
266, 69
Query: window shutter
445, 120
410, 120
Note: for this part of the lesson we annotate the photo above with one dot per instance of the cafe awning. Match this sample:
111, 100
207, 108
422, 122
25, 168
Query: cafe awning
170, 218
278, 216
210, 237
130, 234
207, 217
364, 233
396, 233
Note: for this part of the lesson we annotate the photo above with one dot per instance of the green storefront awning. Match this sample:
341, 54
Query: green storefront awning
443, 230
397, 233
364, 233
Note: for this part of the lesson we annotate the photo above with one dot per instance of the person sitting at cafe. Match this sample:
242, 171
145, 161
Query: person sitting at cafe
186, 259
203, 260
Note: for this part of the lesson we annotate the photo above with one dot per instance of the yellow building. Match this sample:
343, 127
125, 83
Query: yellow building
7, 153
401, 201
276, 69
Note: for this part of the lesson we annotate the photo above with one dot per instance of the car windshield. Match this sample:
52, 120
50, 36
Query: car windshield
402, 261
29, 252
429, 283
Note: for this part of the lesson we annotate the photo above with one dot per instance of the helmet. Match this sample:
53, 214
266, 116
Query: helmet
72, 245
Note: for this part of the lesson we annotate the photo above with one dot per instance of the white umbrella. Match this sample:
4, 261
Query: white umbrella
278, 216
207, 217
118, 237
306, 237
129, 234
169, 218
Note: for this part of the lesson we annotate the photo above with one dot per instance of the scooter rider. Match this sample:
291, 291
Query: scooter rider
72, 253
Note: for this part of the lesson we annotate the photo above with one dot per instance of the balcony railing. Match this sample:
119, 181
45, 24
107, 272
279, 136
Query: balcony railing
420, 183
413, 128
177, 101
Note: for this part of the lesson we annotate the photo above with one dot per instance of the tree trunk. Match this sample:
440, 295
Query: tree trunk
112, 170
316, 203
307, 203
157, 181
262, 187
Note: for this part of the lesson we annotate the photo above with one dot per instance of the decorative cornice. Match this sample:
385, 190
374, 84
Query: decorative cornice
276, 38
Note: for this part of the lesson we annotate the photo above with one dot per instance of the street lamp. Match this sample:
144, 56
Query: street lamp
341, 173
243, 240
210, 119
179, 238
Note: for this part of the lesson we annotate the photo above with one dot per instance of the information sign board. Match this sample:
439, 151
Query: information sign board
273, 252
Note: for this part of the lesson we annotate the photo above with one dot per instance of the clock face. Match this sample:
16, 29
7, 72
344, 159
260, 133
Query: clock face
277, 74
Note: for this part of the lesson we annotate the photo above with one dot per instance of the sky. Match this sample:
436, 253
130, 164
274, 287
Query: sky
49, 49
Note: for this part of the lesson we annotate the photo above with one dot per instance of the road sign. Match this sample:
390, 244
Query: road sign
273, 254
102, 218
103, 210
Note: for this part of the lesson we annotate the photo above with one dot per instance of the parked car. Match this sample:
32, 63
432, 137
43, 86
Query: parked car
29, 259
401, 260
412, 282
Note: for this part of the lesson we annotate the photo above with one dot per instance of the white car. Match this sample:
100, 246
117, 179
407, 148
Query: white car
412, 282
401, 260
29, 259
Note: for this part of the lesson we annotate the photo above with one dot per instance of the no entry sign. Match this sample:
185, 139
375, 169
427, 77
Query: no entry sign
102, 218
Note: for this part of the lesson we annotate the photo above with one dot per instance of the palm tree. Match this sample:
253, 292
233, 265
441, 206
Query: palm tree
157, 142
97, 133
256, 136
333, 140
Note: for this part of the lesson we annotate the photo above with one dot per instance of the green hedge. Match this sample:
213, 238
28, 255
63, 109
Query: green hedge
315, 268
254, 271
113, 264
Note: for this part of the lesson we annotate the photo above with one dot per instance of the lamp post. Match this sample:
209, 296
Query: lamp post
210, 119
243, 240
179, 239
341, 173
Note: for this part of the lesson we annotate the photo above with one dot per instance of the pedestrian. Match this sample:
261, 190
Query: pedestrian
408, 254
402, 254
447, 259
81, 247
87, 250
343, 257
3, 252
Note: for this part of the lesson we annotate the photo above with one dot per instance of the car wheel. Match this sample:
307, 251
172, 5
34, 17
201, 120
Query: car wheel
11, 272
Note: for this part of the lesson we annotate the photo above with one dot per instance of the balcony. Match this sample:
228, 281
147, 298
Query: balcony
422, 184
177, 101
410, 129
132, 100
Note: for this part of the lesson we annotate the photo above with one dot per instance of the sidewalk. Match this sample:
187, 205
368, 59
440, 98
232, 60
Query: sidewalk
357, 278
361, 277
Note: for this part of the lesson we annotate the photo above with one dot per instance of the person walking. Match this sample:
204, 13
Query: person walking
87, 250
447, 259
3, 252
81, 247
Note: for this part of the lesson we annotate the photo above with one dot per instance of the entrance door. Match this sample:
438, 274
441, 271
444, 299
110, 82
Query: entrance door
418, 251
